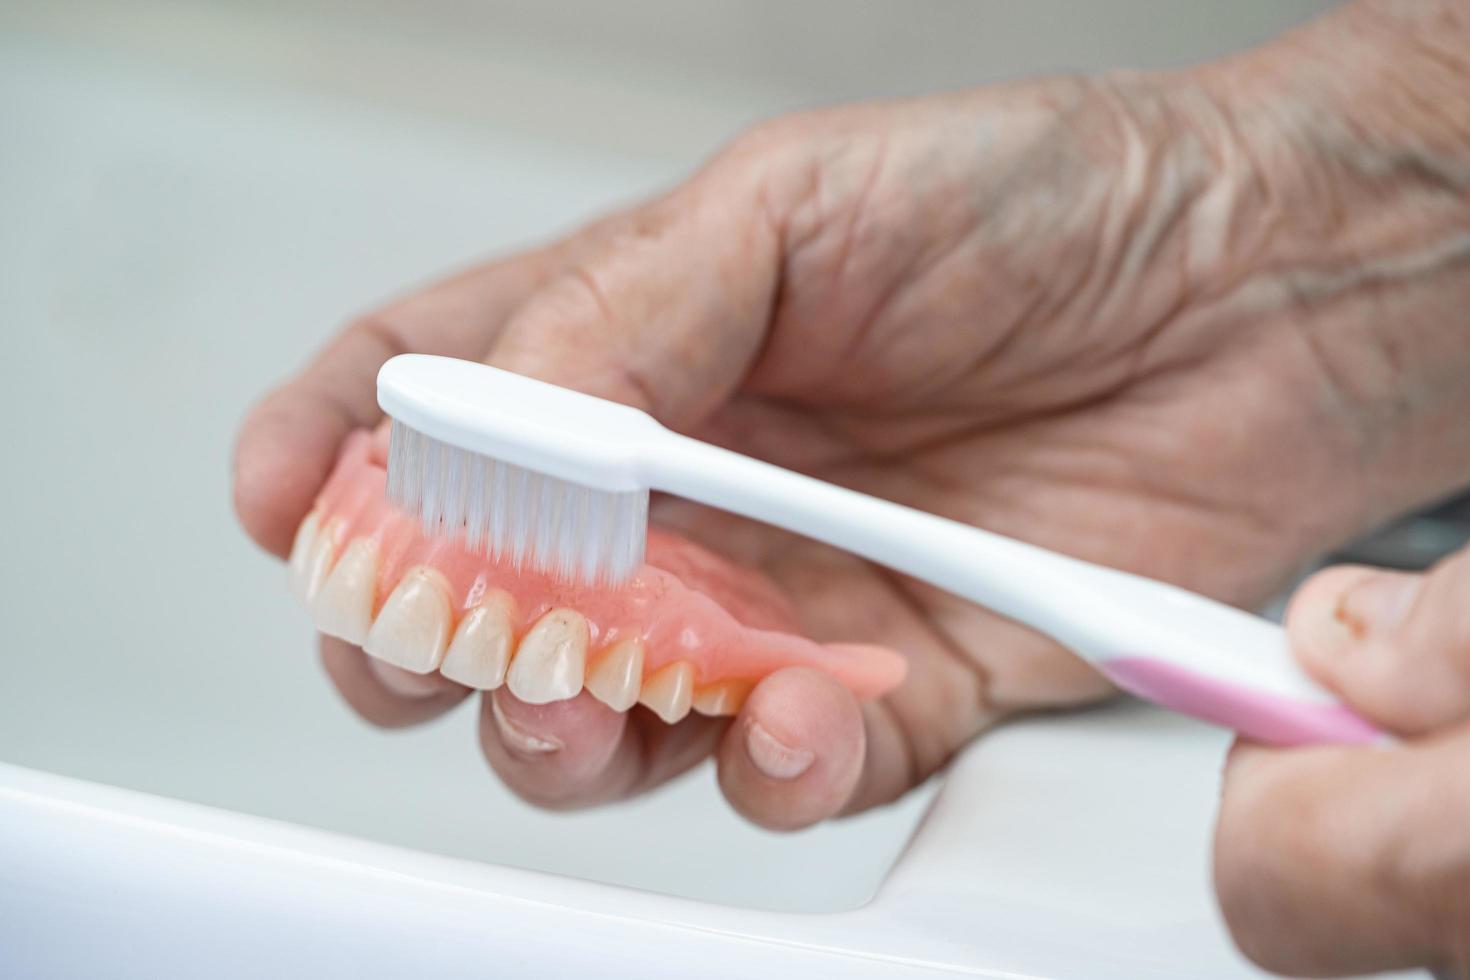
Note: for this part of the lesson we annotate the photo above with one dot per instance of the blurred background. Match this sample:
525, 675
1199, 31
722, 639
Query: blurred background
195, 195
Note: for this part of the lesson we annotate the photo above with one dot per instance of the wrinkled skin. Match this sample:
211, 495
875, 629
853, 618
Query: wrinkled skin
1139, 319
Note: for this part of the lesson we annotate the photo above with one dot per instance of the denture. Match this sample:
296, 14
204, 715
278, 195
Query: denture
688, 631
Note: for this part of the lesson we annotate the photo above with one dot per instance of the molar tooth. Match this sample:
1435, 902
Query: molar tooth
301, 552
615, 678
344, 606
551, 660
722, 697
481, 648
412, 628
669, 692
318, 563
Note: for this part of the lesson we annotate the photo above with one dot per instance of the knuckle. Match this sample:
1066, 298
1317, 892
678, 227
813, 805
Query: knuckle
772, 137
586, 289
775, 166
384, 329
609, 238
574, 302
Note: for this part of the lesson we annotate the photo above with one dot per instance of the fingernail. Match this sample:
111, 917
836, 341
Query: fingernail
773, 757
1378, 602
518, 738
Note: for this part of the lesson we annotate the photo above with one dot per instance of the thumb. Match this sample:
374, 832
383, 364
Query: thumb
1395, 646
664, 307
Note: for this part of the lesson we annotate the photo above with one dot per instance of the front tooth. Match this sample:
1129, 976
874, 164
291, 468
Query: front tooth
669, 692
722, 697
551, 660
344, 606
412, 628
615, 678
301, 551
481, 648
319, 560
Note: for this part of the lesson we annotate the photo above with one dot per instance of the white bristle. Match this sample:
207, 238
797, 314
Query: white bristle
535, 522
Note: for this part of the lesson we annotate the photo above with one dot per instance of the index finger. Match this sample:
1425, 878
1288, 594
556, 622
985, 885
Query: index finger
1333, 860
289, 441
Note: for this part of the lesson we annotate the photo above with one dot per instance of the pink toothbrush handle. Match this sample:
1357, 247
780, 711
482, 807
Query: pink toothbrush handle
1256, 715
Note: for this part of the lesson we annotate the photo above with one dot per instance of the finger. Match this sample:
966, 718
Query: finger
794, 755
1396, 646
968, 667
1332, 861
632, 318
580, 752
289, 441
857, 757
965, 676
385, 695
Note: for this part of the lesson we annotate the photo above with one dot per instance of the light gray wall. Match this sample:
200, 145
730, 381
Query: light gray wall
663, 79
825, 50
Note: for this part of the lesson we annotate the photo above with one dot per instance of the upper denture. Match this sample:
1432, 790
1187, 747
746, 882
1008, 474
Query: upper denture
356, 555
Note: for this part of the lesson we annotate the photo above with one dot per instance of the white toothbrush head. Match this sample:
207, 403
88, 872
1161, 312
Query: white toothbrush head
540, 476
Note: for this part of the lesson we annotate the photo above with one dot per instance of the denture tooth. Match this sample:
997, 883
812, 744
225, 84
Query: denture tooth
616, 676
344, 606
412, 628
480, 651
551, 660
301, 551
722, 697
669, 692
318, 562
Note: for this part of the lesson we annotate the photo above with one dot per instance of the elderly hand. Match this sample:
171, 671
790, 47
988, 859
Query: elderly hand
1140, 319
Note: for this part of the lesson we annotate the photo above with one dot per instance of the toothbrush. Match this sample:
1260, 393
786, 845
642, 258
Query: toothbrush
558, 481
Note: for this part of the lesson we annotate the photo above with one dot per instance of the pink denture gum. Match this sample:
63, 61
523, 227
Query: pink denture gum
687, 630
